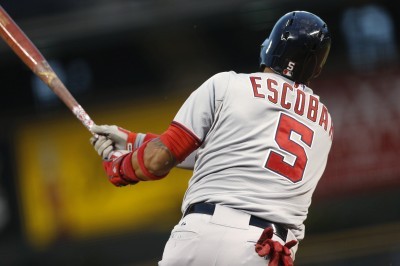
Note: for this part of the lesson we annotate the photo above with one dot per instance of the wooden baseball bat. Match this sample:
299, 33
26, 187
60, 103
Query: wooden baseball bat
32, 58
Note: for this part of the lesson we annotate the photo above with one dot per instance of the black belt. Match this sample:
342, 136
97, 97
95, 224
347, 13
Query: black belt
208, 208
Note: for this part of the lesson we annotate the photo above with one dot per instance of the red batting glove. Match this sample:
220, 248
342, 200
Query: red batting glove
274, 250
119, 169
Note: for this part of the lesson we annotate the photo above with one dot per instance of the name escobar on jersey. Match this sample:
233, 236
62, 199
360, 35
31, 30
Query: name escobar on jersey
302, 103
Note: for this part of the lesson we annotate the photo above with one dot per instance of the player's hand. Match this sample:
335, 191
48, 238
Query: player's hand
103, 146
121, 138
277, 253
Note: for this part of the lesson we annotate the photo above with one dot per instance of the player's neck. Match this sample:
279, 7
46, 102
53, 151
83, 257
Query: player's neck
268, 70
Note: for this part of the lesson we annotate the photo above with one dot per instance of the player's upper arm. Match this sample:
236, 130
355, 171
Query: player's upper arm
197, 114
188, 129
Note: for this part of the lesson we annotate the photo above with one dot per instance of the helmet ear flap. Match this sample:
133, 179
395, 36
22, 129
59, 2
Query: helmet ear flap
319, 59
313, 70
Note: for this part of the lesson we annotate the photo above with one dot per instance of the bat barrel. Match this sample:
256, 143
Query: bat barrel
32, 58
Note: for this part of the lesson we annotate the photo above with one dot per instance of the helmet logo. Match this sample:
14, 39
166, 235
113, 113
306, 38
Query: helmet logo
288, 71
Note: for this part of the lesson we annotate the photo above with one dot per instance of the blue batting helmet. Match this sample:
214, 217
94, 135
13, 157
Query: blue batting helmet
297, 47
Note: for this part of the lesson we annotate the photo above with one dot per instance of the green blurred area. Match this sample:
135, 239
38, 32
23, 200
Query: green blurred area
132, 63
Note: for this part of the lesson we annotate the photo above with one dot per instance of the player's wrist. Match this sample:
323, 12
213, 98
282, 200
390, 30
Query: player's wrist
120, 170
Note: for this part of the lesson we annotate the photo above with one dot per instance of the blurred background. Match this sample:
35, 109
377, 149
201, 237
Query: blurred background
133, 63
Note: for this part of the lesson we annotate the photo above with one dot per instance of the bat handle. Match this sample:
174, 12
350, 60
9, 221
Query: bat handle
81, 114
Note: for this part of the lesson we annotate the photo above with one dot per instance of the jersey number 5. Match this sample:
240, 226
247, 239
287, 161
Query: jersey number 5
275, 161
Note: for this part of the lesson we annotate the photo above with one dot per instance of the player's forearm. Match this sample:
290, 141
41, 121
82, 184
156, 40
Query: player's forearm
157, 160
152, 160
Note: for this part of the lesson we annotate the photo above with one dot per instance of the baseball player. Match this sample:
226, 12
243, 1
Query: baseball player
258, 144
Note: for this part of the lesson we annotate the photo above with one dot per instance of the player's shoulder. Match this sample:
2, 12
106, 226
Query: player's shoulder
223, 75
221, 80
233, 75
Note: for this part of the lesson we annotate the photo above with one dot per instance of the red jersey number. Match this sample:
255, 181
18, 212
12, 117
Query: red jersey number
275, 161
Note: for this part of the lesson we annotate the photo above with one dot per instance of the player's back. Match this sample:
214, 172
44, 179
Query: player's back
266, 149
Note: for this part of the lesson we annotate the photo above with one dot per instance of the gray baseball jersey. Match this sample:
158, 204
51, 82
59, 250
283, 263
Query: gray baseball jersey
265, 143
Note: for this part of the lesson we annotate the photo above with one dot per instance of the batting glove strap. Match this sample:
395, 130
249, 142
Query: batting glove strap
130, 139
120, 170
135, 140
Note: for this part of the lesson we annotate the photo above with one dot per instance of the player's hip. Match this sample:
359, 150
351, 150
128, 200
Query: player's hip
223, 238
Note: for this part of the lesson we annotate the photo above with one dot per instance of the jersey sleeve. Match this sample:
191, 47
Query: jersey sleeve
198, 112
189, 161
